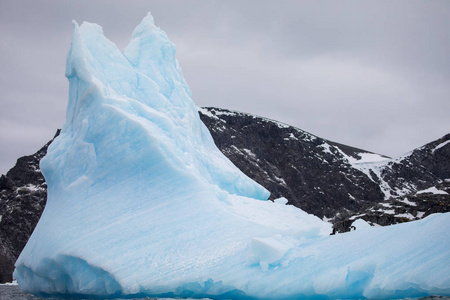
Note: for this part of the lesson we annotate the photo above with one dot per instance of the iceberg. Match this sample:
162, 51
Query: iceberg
142, 203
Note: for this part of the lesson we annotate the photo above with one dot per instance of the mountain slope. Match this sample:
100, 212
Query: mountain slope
326, 178
310, 172
416, 170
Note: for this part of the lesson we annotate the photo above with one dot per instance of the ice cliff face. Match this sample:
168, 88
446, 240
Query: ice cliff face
141, 202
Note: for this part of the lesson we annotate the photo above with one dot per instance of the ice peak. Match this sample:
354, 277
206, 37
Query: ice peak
83, 59
75, 62
147, 24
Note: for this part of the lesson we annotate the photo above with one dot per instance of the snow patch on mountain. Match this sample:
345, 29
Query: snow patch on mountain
432, 190
441, 145
406, 201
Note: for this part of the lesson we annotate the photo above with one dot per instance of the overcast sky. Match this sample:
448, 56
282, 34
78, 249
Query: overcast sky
370, 74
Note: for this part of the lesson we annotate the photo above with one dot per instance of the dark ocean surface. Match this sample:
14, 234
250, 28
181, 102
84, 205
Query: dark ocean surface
12, 292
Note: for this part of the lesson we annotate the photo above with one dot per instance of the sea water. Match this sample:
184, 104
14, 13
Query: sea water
13, 292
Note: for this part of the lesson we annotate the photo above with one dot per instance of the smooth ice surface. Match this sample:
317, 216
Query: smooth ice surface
141, 202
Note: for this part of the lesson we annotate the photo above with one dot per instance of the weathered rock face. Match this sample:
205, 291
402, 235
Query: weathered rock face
423, 167
321, 177
329, 179
23, 194
414, 206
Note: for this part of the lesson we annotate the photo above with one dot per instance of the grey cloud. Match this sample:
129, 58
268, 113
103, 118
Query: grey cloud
372, 74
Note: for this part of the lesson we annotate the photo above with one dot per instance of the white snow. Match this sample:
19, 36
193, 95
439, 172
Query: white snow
207, 112
278, 123
360, 224
325, 219
225, 113
292, 136
142, 203
249, 153
326, 148
407, 215
14, 282
356, 216
280, 180
387, 211
366, 157
405, 200
432, 190
30, 187
420, 214
371, 163
440, 146
281, 200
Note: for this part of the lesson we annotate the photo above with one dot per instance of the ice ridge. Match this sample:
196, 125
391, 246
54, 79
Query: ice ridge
142, 203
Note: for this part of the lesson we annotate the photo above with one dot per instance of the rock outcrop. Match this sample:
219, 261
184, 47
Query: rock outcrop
23, 194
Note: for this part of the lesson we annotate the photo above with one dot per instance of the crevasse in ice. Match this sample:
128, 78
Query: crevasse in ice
142, 203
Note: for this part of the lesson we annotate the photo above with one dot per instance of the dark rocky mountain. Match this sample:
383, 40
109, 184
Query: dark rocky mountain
333, 181
23, 194
336, 182
312, 173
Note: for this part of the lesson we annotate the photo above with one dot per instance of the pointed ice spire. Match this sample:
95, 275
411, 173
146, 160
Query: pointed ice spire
97, 62
144, 87
152, 53
147, 24
76, 64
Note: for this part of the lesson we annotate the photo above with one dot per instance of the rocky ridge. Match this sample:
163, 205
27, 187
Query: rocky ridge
336, 182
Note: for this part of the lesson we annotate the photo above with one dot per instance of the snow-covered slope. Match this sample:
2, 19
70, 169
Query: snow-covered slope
141, 202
